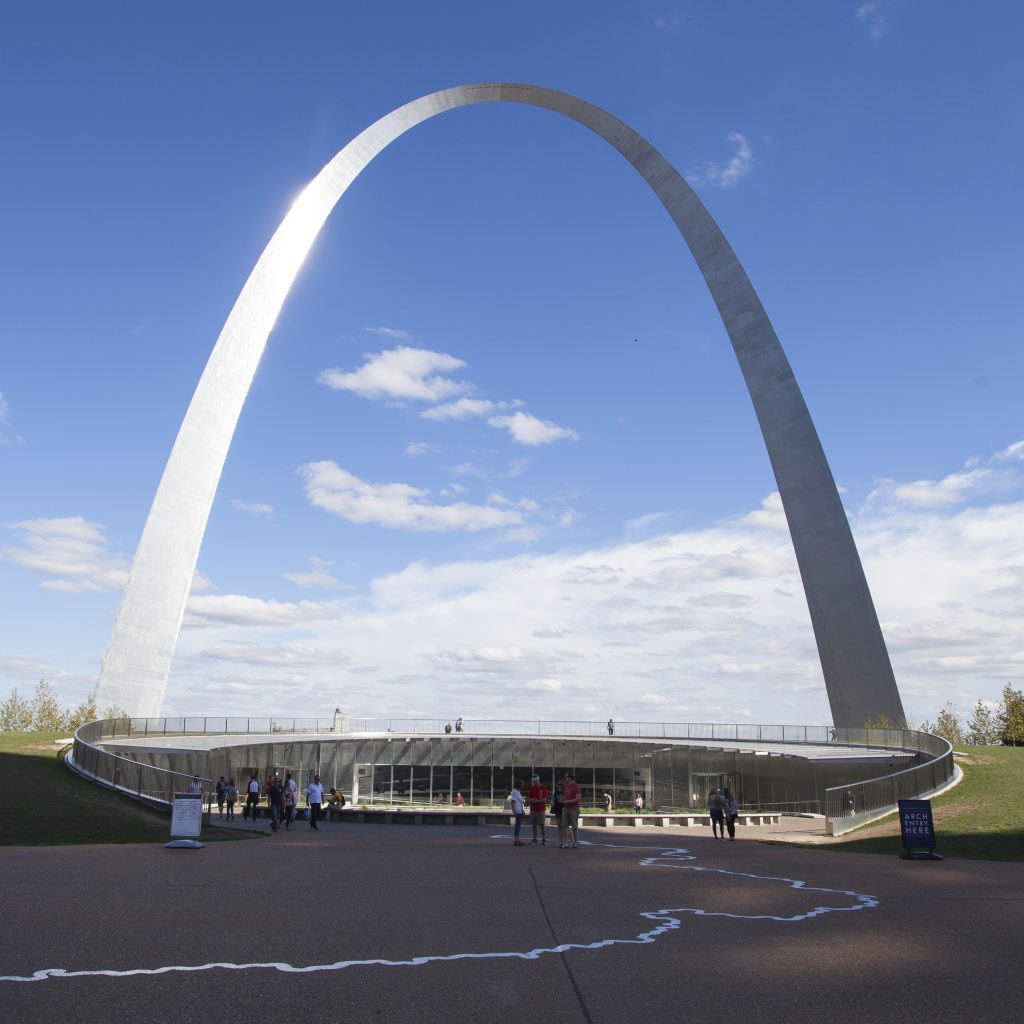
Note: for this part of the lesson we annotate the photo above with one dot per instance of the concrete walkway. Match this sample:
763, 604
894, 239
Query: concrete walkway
432, 924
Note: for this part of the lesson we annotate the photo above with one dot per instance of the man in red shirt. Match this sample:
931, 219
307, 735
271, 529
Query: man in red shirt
537, 795
572, 797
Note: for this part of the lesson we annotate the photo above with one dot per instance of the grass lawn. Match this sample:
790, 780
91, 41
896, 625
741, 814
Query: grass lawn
981, 819
55, 807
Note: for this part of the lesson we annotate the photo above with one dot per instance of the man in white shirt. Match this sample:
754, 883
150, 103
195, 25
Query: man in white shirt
314, 797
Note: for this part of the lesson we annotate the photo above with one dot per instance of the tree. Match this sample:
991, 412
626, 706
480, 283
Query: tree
47, 715
983, 728
1011, 716
948, 726
85, 712
15, 714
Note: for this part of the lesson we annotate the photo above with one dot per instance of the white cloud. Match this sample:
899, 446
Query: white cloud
951, 490
390, 332
417, 448
1011, 453
673, 22
770, 516
258, 509
728, 174
252, 611
403, 373
396, 506
463, 409
318, 576
5, 413
699, 625
528, 429
276, 656
71, 552
871, 14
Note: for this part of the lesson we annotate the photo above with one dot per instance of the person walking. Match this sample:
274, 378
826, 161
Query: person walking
638, 803
537, 795
731, 813
517, 810
230, 796
607, 798
288, 804
314, 797
716, 808
611, 727
275, 799
572, 797
252, 798
459, 724
222, 784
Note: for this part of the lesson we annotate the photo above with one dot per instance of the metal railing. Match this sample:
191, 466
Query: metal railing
153, 786
848, 807
269, 725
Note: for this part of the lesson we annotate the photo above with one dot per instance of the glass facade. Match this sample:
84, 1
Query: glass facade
479, 771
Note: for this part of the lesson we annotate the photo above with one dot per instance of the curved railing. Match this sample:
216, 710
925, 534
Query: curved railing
268, 725
153, 786
848, 807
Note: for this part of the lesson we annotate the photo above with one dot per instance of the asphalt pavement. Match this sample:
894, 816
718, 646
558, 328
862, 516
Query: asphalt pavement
455, 924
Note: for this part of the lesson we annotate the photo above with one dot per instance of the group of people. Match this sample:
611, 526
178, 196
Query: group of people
565, 809
282, 799
723, 810
458, 725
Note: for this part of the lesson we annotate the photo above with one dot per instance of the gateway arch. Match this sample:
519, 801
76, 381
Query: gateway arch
854, 660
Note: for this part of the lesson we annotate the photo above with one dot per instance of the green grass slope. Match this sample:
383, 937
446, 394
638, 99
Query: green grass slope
56, 807
981, 819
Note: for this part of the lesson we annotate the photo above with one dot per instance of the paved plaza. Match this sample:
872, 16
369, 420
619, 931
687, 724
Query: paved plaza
422, 923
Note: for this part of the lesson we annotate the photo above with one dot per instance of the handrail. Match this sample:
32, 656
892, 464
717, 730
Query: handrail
850, 806
152, 785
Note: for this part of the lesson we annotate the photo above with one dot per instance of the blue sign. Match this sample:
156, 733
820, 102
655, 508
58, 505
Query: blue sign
918, 829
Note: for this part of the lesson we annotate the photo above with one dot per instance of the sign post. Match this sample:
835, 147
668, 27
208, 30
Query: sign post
186, 821
918, 830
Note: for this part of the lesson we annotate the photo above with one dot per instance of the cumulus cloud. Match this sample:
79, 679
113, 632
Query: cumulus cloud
72, 553
395, 505
725, 175
530, 430
400, 373
950, 490
697, 625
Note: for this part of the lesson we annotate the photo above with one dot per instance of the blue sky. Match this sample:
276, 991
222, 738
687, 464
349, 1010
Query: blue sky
593, 530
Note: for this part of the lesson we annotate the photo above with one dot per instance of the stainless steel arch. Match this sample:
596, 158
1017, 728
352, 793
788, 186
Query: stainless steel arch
858, 675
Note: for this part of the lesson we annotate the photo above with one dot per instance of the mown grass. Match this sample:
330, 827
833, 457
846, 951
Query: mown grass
981, 819
49, 805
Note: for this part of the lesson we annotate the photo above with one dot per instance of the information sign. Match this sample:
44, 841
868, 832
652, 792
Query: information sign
917, 829
186, 820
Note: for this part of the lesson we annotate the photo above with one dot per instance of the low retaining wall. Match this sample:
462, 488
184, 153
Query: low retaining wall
393, 816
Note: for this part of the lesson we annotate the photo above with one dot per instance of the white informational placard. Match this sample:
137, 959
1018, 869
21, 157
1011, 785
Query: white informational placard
187, 815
